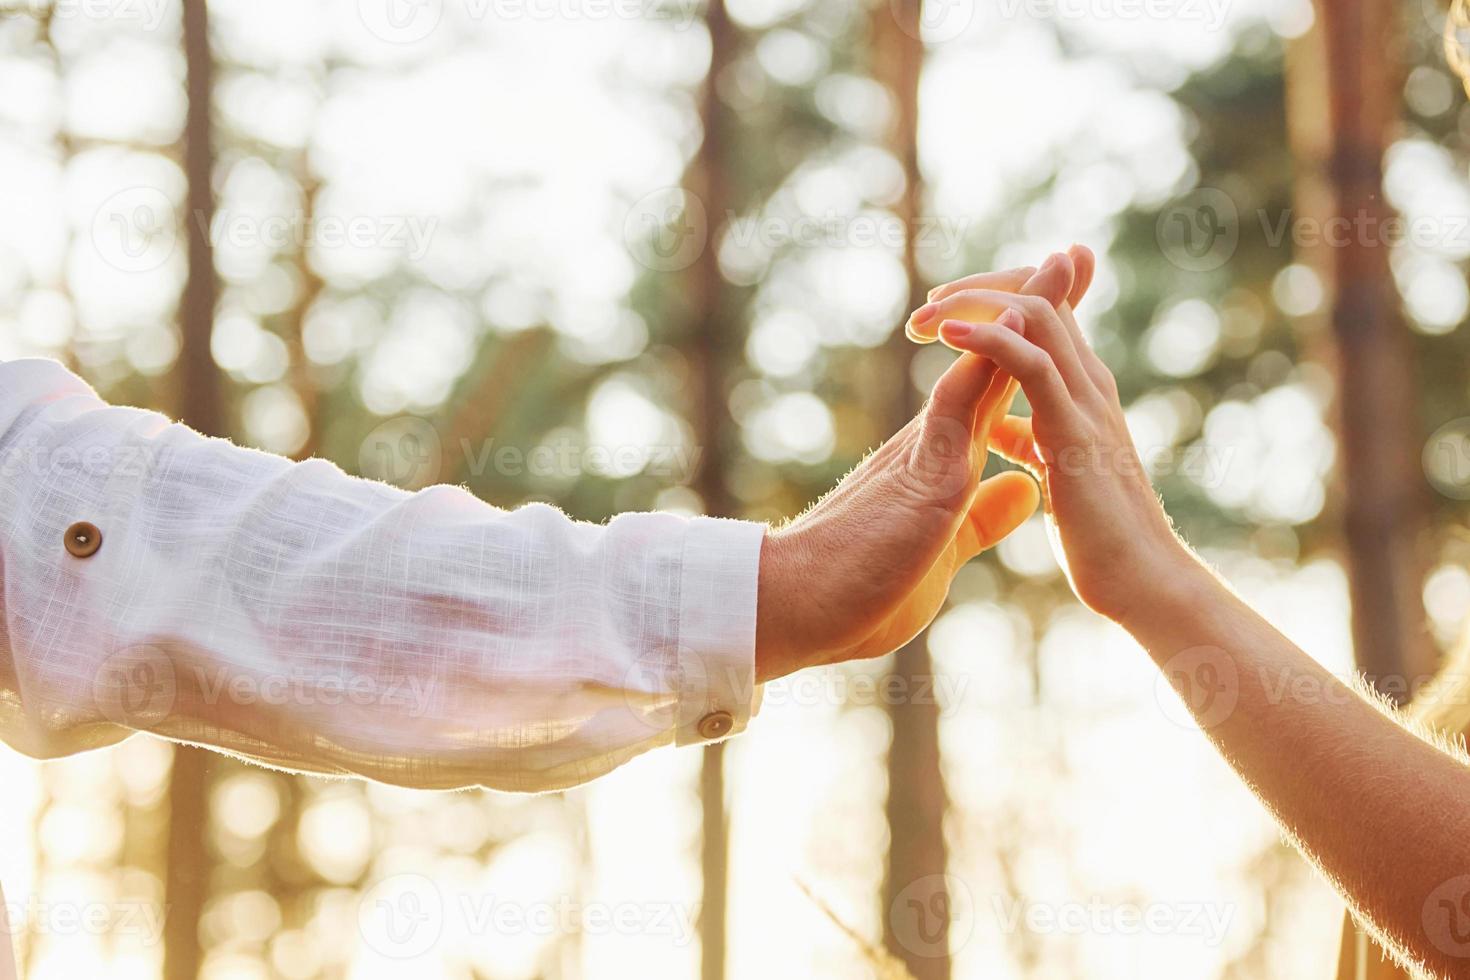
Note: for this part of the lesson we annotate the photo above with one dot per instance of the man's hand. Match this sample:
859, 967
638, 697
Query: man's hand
868, 567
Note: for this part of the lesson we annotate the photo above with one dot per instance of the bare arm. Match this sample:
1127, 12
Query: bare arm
1384, 812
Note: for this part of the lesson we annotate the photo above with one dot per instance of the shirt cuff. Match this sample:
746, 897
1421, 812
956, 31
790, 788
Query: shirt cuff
717, 605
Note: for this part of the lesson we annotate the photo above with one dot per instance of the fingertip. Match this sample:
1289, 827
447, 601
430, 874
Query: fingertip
1008, 501
1054, 282
956, 332
914, 335
1066, 266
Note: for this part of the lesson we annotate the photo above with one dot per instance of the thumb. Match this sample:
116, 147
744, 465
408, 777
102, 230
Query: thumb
1002, 504
958, 391
1012, 438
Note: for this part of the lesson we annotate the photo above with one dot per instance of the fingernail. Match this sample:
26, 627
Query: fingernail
955, 330
1013, 319
924, 314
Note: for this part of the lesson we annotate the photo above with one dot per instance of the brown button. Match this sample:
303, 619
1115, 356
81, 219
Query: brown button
716, 724
83, 539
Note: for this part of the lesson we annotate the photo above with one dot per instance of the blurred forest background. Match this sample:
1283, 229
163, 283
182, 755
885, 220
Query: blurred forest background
658, 250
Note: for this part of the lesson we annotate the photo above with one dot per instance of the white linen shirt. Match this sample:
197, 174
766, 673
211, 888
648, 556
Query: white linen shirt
294, 615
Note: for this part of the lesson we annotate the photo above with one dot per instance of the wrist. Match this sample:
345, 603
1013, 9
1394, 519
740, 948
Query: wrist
781, 566
1173, 581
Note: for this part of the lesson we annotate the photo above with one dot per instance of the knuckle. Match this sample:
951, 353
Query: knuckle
1037, 309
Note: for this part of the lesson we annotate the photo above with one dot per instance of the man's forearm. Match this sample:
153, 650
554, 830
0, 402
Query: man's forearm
160, 581
1385, 814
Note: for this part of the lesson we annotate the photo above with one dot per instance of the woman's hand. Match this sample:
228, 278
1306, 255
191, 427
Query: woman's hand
1114, 534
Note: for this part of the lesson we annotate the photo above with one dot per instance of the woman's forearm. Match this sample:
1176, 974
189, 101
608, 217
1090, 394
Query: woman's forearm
1383, 812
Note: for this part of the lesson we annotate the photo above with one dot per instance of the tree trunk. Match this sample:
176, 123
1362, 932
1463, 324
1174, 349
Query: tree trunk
710, 345
915, 896
1385, 509
1348, 63
186, 886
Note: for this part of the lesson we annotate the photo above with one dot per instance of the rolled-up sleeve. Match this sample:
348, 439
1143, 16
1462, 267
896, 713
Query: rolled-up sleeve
156, 580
